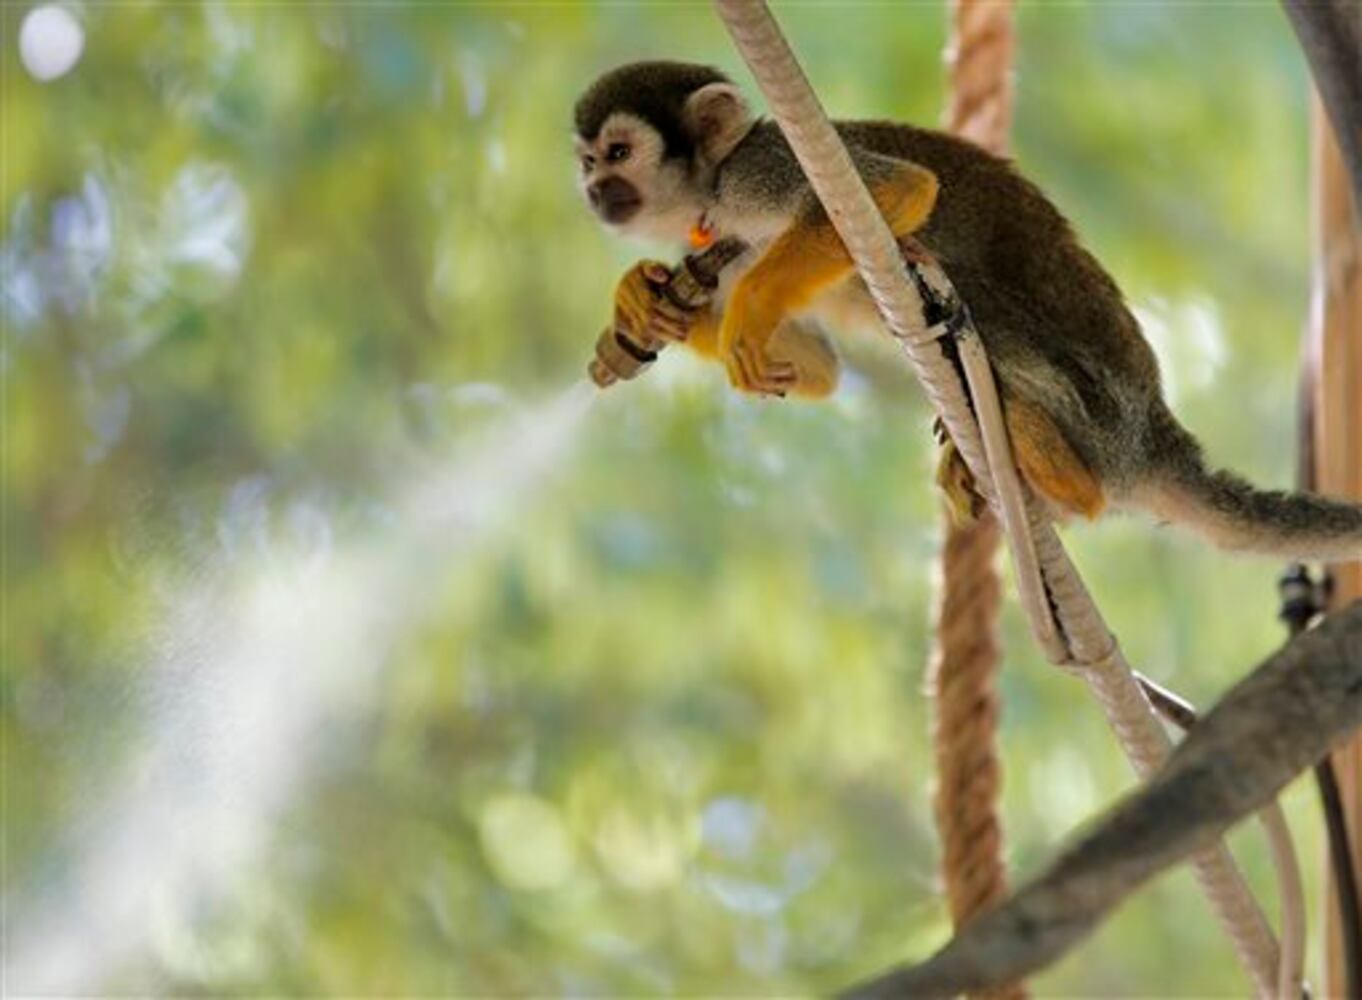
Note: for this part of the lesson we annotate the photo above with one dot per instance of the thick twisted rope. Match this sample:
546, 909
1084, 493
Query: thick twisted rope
961, 679
1091, 647
979, 59
963, 672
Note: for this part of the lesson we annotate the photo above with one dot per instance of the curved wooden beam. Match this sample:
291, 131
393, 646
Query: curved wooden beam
1270, 727
1330, 32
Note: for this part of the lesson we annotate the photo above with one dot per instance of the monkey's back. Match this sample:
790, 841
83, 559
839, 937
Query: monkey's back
1056, 326
1055, 323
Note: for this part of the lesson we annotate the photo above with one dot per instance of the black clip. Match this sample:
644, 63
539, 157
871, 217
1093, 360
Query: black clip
938, 309
1303, 598
640, 354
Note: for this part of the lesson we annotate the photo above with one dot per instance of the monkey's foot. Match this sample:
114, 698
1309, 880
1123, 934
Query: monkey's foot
957, 483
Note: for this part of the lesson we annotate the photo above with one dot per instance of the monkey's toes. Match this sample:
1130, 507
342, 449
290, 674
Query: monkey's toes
957, 485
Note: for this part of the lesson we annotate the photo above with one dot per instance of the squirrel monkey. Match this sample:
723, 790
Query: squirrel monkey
670, 151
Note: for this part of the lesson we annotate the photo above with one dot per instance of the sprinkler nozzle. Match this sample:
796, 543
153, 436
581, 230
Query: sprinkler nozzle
620, 357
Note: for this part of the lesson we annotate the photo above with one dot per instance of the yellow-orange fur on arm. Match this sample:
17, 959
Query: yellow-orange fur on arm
800, 264
812, 358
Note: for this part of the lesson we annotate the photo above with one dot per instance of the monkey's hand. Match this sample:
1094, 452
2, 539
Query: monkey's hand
643, 312
750, 320
799, 265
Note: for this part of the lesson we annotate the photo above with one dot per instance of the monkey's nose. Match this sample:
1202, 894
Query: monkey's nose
614, 199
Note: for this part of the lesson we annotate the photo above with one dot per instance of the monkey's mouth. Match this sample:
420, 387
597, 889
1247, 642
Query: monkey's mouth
618, 212
615, 200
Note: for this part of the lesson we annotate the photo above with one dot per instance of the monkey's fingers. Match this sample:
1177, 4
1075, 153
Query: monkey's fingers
631, 319
631, 309
643, 280
741, 378
669, 330
753, 370
636, 295
666, 307
671, 322
655, 271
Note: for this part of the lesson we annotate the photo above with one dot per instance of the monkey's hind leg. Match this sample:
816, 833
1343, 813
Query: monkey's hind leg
1044, 457
1049, 463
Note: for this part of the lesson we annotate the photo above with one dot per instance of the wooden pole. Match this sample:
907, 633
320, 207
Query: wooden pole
1335, 335
1330, 33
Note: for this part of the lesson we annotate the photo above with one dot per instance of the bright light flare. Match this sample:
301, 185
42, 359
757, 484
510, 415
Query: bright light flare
51, 41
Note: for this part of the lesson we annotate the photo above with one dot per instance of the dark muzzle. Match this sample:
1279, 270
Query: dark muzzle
614, 199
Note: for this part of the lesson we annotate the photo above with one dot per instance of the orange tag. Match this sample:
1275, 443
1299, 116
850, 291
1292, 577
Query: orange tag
701, 235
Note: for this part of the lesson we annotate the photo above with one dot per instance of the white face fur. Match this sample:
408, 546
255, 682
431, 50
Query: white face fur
630, 149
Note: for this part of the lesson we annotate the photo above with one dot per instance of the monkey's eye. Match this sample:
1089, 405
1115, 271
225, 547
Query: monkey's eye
618, 152
588, 163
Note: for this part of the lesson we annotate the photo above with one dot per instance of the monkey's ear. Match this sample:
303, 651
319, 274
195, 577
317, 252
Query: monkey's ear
717, 117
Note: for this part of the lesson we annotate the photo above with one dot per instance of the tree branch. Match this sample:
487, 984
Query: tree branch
1330, 32
1270, 727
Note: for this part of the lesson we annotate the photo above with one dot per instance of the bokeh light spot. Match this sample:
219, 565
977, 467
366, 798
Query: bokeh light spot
525, 842
50, 42
645, 847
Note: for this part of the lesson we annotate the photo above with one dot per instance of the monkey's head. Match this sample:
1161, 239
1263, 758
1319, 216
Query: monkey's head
649, 138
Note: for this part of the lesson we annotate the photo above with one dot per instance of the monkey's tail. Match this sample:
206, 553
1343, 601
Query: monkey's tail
1236, 515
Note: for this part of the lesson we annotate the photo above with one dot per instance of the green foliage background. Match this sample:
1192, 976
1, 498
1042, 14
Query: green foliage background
662, 731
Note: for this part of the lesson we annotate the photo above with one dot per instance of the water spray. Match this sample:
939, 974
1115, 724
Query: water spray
246, 670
